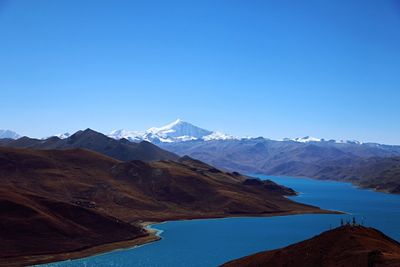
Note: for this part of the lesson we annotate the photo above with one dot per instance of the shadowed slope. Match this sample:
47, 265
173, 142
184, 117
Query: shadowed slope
33, 225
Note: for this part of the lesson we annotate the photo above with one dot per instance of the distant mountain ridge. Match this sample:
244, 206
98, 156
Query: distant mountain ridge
378, 173
352, 162
181, 131
308, 139
63, 135
7, 134
119, 149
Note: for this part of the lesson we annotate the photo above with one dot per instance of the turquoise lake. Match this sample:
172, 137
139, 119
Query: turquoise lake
211, 242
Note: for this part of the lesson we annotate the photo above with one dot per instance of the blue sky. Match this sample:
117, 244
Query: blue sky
273, 68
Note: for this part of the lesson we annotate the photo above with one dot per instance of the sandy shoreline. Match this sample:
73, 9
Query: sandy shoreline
153, 235
43, 259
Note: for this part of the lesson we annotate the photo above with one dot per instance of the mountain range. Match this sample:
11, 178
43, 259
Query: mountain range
119, 149
322, 160
7, 134
181, 131
369, 165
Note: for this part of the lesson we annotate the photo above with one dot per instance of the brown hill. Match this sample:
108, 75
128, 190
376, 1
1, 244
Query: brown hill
85, 198
381, 174
95, 141
345, 246
31, 225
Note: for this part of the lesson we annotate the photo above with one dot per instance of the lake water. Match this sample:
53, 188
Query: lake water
211, 242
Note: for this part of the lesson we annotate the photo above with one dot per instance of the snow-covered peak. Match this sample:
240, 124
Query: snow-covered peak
9, 134
130, 135
167, 128
307, 139
355, 142
218, 136
63, 135
176, 131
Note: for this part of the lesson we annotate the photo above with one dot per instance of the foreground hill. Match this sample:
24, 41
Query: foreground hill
32, 226
75, 199
89, 139
354, 246
323, 159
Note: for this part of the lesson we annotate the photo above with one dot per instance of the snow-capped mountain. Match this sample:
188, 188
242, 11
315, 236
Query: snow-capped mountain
179, 128
181, 131
305, 139
9, 134
355, 142
218, 136
177, 131
133, 136
63, 135
308, 139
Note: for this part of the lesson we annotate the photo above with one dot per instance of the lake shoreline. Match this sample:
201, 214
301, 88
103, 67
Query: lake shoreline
152, 236
86, 252
355, 184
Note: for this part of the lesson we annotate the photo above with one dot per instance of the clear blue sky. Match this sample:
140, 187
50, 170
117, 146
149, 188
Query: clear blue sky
273, 68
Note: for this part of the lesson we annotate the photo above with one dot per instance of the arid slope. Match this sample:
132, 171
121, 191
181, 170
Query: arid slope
345, 246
